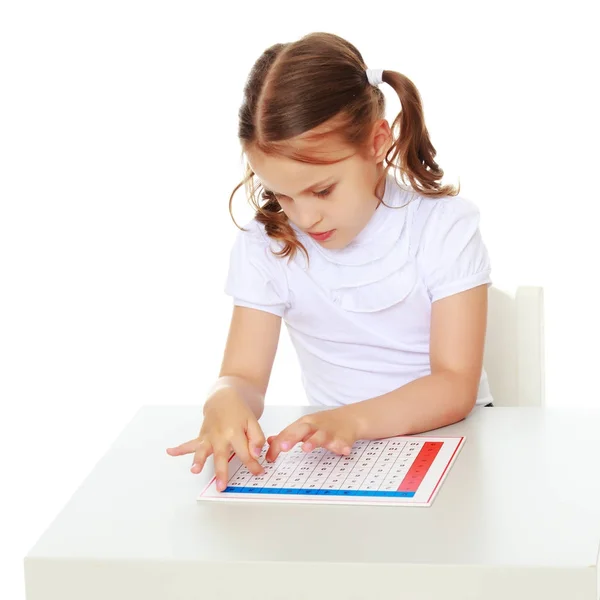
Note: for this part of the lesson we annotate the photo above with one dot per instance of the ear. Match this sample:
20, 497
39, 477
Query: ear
382, 139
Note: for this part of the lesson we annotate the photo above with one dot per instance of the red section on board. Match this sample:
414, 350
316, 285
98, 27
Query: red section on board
418, 470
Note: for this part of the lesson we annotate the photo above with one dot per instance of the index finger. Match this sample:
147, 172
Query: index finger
288, 438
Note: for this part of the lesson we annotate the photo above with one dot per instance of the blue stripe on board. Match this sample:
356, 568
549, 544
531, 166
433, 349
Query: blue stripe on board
317, 492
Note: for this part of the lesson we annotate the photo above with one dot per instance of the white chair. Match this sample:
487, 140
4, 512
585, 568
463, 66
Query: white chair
514, 349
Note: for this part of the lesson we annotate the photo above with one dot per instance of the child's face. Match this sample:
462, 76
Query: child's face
343, 201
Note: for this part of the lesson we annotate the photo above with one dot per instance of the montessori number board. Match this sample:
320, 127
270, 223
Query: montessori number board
405, 470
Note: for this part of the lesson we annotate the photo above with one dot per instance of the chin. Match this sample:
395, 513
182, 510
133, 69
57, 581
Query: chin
335, 244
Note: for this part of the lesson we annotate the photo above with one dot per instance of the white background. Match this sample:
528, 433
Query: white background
118, 154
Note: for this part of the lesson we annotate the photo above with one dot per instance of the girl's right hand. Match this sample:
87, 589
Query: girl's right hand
229, 425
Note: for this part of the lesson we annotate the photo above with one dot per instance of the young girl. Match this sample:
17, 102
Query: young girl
382, 286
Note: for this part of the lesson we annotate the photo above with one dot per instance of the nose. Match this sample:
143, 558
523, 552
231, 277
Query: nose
308, 217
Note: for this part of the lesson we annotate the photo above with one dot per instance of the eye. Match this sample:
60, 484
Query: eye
274, 195
324, 193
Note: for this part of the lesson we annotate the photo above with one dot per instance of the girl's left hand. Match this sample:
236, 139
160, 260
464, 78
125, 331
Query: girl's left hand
334, 429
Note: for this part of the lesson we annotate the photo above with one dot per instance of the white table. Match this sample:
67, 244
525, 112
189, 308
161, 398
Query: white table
517, 517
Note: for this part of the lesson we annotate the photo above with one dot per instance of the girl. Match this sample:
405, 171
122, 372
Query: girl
382, 286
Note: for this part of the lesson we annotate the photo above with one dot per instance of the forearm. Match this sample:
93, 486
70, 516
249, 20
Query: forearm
424, 404
250, 392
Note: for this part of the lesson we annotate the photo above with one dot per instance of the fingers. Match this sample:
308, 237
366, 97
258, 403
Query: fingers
240, 447
247, 444
186, 448
288, 438
317, 440
221, 460
256, 438
203, 451
339, 446
335, 444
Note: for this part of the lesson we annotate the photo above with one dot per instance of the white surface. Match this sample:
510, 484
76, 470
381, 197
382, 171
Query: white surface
515, 346
324, 477
520, 515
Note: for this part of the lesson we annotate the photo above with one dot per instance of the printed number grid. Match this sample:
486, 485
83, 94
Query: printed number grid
373, 468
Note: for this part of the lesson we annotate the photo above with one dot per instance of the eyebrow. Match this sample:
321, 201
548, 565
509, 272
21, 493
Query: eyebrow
308, 189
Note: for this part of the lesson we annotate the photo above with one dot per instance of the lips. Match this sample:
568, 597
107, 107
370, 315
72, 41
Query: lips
322, 236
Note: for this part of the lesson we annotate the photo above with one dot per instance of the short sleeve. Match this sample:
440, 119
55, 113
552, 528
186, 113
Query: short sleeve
255, 279
452, 255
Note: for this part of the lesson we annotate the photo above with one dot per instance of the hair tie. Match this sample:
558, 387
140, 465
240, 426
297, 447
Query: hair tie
375, 76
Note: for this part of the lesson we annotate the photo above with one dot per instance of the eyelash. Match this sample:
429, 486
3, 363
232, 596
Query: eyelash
324, 193
321, 194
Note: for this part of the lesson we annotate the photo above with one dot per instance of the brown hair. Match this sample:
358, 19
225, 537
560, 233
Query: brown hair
317, 88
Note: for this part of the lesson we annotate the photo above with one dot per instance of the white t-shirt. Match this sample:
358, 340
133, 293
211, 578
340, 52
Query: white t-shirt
359, 317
